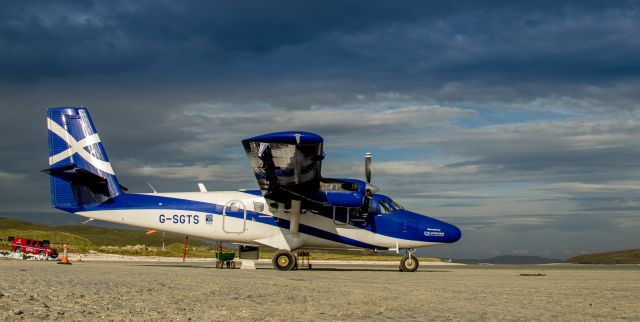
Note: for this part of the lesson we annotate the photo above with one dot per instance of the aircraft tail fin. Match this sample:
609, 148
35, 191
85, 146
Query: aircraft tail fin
81, 174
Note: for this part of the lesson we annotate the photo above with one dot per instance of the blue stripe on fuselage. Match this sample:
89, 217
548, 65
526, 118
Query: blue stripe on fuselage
137, 201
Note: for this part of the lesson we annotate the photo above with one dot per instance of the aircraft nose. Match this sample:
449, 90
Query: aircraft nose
440, 231
453, 233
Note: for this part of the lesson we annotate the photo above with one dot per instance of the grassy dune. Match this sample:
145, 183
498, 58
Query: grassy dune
629, 256
85, 238
57, 238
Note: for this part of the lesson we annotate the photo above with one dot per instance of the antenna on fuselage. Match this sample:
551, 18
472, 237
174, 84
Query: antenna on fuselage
88, 220
202, 187
152, 188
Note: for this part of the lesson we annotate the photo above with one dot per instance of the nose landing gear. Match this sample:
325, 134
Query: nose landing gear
409, 263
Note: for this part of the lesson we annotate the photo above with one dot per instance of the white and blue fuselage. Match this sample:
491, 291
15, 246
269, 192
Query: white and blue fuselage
301, 210
243, 217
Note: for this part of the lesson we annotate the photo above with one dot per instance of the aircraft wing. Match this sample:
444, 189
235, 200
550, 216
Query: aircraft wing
286, 164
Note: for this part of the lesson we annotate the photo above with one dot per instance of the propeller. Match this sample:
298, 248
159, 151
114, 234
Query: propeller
367, 173
367, 166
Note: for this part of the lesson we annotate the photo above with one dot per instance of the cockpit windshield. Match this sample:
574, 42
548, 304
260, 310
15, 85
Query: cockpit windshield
384, 205
395, 205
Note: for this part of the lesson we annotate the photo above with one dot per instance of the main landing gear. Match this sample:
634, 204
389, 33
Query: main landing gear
409, 263
284, 260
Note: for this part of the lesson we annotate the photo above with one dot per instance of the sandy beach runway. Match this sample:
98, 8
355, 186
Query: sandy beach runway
195, 291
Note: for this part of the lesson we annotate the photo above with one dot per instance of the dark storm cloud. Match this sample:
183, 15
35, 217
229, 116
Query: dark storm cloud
582, 150
44, 39
617, 200
459, 204
403, 45
547, 222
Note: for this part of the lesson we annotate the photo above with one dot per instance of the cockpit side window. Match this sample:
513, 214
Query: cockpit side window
395, 204
384, 208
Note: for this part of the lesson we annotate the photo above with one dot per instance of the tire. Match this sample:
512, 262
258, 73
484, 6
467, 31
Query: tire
409, 263
42, 252
283, 260
18, 250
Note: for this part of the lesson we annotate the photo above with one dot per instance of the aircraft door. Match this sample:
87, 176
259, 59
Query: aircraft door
234, 217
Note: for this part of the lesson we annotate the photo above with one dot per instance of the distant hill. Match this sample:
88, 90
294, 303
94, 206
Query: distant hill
629, 256
59, 218
510, 260
6, 223
53, 218
80, 234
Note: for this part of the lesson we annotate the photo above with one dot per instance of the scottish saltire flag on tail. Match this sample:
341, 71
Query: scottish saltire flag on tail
81, 173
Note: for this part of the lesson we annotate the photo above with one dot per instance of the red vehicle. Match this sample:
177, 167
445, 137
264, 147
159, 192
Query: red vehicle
32, 246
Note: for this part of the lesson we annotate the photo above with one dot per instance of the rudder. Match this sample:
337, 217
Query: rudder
81, 173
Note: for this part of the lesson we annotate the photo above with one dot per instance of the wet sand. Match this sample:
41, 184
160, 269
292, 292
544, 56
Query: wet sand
152, 291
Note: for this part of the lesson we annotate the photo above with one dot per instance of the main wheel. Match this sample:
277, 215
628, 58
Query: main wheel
283, 260
409, 263
18, 250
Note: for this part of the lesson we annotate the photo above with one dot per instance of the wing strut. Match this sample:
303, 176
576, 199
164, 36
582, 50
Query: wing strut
295, 217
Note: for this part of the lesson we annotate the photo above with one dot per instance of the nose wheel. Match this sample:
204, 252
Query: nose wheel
409, 263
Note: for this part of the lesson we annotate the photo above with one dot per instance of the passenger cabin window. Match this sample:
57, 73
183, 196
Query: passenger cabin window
344, 214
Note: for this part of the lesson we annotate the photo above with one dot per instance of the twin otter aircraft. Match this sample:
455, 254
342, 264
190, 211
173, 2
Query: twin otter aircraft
295, 208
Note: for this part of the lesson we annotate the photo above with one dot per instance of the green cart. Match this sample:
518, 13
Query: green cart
225, 259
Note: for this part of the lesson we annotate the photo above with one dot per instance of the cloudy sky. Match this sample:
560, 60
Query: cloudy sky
517, 121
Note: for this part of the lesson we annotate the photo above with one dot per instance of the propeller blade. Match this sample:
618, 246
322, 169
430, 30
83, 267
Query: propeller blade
367, 166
